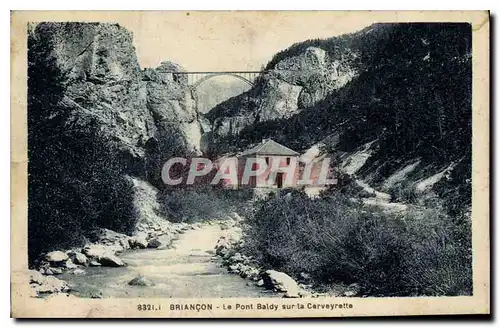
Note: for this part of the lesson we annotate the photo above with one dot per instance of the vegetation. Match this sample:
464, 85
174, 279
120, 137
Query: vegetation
413, 95
334, 239
201, 203
77, 176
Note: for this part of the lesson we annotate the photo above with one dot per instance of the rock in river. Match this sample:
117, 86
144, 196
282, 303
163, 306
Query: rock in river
56, 257
111, 260
154, 243
141, 281
80, 258
94, 263
281, 282
69, 264
138, 241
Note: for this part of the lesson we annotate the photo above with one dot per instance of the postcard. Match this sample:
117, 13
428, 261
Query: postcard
249, 164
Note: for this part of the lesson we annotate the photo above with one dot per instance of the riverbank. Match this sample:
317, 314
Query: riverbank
105, 251
187, 268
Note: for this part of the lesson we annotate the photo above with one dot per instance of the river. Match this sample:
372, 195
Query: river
187, 270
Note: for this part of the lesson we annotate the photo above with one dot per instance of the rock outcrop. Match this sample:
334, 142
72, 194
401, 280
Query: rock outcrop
99, 131
294, 84
227, 249
171, 103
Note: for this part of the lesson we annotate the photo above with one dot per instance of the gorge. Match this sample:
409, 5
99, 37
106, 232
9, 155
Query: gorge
390, 104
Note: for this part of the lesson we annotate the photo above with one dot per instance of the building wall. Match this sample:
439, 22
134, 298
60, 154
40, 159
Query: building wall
279, 165
263, 179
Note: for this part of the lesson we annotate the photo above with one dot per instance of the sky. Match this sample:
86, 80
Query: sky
225, 41
238, 40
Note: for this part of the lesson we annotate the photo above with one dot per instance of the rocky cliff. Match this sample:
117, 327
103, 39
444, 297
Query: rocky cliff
296, 79
97, 124
391, 102
296, 82
170, 102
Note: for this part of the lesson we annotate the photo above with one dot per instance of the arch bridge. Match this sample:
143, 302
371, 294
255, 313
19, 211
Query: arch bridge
194, 79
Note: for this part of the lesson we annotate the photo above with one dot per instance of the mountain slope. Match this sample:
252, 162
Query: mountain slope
402, 89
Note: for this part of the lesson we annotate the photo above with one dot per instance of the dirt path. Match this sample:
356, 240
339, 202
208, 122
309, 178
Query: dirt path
186, 270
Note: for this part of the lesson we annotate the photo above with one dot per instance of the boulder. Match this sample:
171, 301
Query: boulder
80, 258
56, 257
260, 283
281, 282
95, 251
222, 246
79, 272
46, 284
234, 268
154, 243
253, 274
53, 271
138, 241
162, 247
94, 263
244, 270
111, 260
110, 237
124, 243
69, 264
141, 281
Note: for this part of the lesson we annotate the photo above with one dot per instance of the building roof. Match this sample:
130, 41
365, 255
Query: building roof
269, 147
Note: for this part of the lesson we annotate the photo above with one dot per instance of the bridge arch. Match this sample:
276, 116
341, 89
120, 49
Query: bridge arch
209, 76
194, 86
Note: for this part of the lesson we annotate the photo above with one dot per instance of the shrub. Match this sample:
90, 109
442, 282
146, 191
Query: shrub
403, 192
76, 185
201, 203
335, 239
